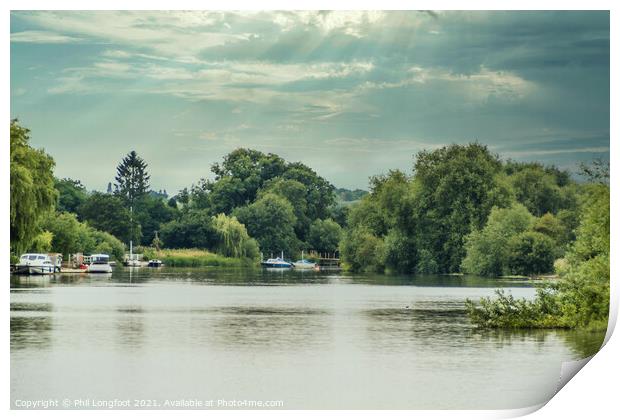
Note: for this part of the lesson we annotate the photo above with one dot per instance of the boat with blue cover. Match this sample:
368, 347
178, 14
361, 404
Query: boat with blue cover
276, 263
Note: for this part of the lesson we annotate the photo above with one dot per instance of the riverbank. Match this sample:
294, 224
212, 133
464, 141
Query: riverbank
195, 258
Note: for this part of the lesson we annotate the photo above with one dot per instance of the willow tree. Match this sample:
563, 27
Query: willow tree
32, 188
234, 240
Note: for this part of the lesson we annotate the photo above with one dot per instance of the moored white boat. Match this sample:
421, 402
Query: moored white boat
304, 265
99, 263
155, 263
38, 264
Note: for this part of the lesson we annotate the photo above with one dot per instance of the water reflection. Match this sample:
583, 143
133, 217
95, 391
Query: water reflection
130, 326
30, 332
270, 328
583, 343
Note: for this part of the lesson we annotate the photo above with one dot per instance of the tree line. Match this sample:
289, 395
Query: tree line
461, 209
257, 202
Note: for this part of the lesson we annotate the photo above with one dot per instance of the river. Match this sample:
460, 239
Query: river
305, 340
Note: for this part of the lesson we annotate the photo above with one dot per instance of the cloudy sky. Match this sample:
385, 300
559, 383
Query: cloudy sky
351, 94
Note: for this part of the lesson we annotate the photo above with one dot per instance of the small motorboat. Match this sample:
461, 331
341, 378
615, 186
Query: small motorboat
155, 263
276, 263
99, 263
304, 265
38, 264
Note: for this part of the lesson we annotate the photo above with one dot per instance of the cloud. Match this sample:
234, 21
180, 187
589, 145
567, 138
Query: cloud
379, 84
42, 37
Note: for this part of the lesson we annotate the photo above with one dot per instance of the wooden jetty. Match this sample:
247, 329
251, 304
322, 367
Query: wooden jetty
327, 260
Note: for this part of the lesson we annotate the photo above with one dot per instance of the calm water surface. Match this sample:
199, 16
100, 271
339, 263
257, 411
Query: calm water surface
311, 340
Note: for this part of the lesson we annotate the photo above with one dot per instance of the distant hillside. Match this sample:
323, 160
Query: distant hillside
344, 194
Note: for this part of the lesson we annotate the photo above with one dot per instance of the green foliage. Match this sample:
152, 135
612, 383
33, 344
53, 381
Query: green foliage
108, 213
270, 221
150, 212
506, 311
106, 243
340, 214
42, 242
531, 253
361, 250
324, 235
541, 189
69, 236
239, 177
195, 258
32, 188
71, 194
401, 254
488, 249
234, 240
458, 186
194, 229
296, 193
424, 220
581, 298
132, 179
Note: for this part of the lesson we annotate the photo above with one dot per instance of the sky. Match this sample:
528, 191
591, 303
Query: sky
351, 94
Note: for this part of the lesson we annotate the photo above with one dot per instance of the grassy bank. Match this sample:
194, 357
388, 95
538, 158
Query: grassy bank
195, 258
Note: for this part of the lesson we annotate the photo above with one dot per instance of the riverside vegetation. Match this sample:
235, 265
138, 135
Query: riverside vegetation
460, 210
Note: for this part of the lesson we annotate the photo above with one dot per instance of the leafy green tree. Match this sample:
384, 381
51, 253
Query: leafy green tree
244, 172
239, 177
106, 243
296, 194
584, 295
69, 236
401, 253
531, 253
361, 250
488, 249
32, 188
270, 221
319, 192
324, 235
552, 226
224, 195
580, 299
367, 213
233, 238
42, 242
71, 194
108, 213
457, 187
150, 213
132, 179
537, 190
340, 213
193, 229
